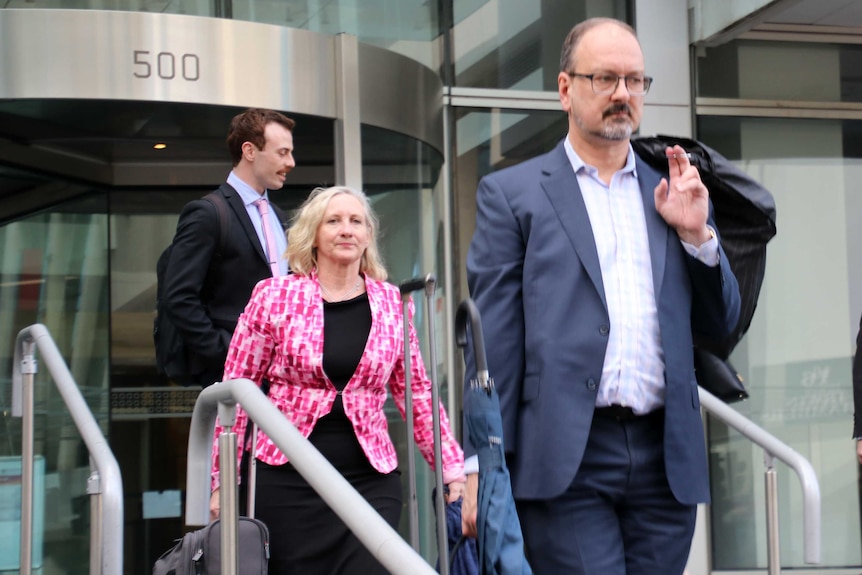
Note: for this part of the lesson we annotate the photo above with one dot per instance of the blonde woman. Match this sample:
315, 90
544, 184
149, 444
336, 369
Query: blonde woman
329, 339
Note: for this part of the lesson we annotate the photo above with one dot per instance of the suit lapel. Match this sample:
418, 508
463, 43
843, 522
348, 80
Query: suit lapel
235, 202
657, 228
561, 186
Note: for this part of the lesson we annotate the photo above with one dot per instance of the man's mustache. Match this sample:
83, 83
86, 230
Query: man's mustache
617, 109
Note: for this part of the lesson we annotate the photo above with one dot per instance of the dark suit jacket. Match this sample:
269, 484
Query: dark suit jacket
206, 291
533, 271
857, 386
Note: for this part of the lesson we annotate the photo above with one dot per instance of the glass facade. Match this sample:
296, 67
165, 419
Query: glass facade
811, 72
408, 27
796, 357
515, 45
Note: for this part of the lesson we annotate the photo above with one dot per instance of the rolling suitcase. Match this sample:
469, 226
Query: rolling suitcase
200, 552
428, 284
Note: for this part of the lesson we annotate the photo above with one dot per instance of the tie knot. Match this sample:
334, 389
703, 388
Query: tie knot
262, 205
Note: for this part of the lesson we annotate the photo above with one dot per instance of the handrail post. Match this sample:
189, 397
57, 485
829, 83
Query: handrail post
94, 490
28, 371
773, 542
228, 504
412, 500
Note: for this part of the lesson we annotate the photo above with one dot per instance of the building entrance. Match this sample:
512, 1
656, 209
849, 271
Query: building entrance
81, 240
100, 150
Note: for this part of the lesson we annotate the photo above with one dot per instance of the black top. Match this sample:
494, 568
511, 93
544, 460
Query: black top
346, 325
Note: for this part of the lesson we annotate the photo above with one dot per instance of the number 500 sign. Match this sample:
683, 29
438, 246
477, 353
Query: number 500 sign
166, 65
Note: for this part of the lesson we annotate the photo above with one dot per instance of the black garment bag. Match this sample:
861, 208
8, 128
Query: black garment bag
744, 213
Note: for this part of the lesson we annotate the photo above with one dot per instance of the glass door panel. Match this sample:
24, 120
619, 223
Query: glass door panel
53, 271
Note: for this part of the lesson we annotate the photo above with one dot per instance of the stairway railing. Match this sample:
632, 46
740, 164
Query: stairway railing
370, 528
774, 448
105, 484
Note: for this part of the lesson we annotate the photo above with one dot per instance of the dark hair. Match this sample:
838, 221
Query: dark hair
249, 126
577, 33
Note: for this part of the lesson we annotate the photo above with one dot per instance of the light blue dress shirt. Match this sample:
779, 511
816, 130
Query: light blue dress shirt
249, 195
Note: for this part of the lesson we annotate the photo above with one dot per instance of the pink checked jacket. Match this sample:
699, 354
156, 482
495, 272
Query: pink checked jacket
279, 337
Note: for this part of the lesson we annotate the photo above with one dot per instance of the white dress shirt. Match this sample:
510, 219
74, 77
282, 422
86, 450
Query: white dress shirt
633, 372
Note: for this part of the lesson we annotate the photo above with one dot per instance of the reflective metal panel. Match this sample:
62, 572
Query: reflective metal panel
398, 94
348, 139
137, 56
102, 55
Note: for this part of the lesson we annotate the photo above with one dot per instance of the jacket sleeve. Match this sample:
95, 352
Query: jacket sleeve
249, 357
495, 270
716, 302
194, 246
423, 428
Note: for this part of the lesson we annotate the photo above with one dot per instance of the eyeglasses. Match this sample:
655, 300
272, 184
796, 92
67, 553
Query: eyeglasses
604, 84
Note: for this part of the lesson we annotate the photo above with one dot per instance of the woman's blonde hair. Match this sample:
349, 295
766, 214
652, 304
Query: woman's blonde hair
301, 253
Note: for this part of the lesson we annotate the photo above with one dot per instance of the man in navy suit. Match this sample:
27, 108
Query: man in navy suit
206, 291
591, 272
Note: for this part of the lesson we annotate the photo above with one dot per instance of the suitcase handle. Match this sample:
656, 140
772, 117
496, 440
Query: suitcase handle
416, 284
429, 285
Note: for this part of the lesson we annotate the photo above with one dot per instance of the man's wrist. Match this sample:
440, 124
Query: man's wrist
707, 253
697, 238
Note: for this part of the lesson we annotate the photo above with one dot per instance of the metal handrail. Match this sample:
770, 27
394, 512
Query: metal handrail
369, 527
105, 484
774, 448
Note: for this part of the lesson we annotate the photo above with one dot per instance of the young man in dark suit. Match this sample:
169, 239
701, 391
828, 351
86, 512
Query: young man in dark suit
207, 287
591, 272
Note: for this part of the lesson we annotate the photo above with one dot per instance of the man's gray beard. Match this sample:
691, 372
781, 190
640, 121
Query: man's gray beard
612, 131
616, 132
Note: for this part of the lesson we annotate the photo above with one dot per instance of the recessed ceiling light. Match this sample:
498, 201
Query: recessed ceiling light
159, 146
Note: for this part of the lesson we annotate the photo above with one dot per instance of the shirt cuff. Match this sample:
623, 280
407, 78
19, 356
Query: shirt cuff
471, 465
707, 253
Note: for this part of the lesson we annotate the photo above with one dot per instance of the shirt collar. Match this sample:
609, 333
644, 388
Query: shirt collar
578, 164
248, 194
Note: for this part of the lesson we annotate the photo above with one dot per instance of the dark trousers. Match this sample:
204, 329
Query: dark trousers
618, 517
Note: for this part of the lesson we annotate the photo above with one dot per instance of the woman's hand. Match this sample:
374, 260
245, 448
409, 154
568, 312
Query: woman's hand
456, 491
214, 505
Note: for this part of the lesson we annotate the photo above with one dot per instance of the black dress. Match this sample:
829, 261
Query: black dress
306, 536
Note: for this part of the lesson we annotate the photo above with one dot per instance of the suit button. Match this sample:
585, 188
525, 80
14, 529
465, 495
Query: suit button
604, 330
591, 384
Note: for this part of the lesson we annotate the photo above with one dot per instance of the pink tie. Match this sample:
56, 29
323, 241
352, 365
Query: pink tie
263, 208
